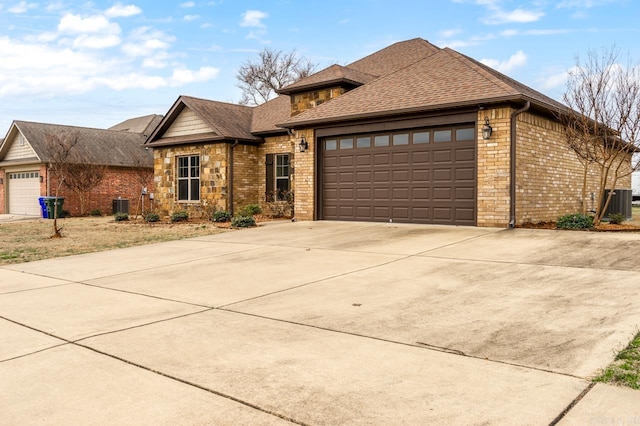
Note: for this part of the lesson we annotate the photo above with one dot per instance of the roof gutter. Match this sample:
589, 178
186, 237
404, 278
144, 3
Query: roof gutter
512, 183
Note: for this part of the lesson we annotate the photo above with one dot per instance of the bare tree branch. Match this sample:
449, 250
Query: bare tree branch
603, 124
271, 71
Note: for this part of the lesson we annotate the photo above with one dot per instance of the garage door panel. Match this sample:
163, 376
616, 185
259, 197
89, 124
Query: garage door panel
400, 176
415, 182
442, 175
420, 194
345, 161
382, 176
442, 156
465, 154
381, 159
363, 193
346, 177
468, 194
420, 175
400, 158
346, 193
363, 176
382, 194
363, 160
465, 174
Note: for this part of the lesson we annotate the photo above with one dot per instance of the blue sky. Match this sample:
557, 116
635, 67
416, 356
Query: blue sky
98, 63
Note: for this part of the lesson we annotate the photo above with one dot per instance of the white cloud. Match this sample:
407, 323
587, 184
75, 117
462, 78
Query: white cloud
190, 18
184, 76
121, 11
253, 18
76, 24
450, 33
187, 4
521, 16
516, 60
553, 81
96, 42
22, 7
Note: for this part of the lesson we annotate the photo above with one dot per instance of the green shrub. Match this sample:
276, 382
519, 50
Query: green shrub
221, 216
617, 218
119, 217
250, 210
243, 221
151, 217
96, 212
180, 216
575, 221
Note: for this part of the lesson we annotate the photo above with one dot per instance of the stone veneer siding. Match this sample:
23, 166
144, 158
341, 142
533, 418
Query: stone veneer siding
214, 159
303, 101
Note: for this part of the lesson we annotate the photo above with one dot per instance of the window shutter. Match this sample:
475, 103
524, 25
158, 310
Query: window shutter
269, 178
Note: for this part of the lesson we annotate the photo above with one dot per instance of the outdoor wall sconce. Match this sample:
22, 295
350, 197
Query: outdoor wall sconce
303, 144
486, 129
1, 181
41, 179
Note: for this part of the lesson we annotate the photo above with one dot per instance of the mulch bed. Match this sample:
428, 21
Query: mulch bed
603, 227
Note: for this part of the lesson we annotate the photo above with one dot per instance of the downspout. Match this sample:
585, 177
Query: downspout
512, 184
236, 143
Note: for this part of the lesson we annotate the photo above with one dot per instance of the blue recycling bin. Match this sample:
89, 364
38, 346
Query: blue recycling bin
50, 205
43, 208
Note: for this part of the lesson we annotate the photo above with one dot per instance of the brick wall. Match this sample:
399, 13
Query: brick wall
213, 179
277, 145
120, 182
493, 169
247, 180
549, 175
305, 178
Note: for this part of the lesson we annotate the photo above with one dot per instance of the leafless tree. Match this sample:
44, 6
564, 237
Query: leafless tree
82, 177
271, 71
603, 124
144, 174
61, 149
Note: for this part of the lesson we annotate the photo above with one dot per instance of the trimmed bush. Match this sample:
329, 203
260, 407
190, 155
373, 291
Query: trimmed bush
243, 222
120, 217
180, 217
221, 216
575, 221
96, 212
151, 217
250, 210
617, 218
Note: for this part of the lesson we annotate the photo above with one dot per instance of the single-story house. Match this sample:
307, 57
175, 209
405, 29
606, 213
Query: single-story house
25, 159
411, 133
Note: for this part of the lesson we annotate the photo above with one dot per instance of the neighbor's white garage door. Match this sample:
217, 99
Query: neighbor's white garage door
24, 191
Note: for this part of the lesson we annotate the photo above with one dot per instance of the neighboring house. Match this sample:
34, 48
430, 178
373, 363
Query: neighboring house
635, 185
396, 136
25, 157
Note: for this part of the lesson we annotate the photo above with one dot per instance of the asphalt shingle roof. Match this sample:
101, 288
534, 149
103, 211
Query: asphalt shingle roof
144, 125
329, 76
441, 80
103, 147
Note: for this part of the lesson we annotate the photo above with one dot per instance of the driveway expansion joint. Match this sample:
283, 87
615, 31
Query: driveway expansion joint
572, 404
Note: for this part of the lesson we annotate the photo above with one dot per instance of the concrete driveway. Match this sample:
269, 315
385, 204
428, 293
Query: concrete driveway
324, 323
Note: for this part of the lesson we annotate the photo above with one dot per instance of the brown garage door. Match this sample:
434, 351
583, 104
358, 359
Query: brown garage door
417, 176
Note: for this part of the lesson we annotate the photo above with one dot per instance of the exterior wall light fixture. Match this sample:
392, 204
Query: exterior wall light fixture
486, 129
303, 144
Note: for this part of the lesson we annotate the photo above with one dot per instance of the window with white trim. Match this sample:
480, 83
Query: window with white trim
189, 178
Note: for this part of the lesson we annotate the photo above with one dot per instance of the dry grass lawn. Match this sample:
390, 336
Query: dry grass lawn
30, 240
